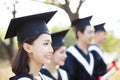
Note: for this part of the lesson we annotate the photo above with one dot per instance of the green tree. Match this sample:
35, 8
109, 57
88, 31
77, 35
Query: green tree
111, 42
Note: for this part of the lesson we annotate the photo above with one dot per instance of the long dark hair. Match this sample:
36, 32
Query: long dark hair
20, 62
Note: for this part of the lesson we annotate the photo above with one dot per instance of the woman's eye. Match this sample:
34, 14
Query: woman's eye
62, 52
45, 43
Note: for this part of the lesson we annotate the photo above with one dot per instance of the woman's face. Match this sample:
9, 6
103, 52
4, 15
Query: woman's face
59, 56
42, 49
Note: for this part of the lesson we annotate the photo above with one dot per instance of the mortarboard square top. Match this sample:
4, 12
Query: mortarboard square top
57, 38
28, 26
81, 22
100, 27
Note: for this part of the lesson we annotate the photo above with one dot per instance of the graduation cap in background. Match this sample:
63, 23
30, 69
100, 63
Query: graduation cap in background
57, 38
28, 26
81, 22
99, 27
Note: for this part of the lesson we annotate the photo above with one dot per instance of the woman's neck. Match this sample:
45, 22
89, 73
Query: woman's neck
34, 68
52, 68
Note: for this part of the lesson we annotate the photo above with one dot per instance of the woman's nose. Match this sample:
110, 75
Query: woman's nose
51, 49
65, 55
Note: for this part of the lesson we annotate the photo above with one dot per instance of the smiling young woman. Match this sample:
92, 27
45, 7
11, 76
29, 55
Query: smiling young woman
34, 41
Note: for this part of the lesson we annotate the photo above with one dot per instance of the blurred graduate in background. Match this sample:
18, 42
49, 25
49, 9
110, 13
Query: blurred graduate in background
101, 70
52, 71
98, 53
80, 63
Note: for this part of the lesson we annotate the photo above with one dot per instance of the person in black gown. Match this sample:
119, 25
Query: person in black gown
100, 64
52, 71
80, 63
34, 41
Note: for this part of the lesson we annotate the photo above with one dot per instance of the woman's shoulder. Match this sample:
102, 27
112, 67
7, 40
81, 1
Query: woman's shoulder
62, 70
22, 77
63, 74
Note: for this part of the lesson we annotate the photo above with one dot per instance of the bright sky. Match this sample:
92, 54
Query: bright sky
102, 11
32, 7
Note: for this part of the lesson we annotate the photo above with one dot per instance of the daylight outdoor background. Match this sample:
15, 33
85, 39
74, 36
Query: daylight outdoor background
102, 11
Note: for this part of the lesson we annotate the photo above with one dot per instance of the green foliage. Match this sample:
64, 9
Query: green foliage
3, 54
2, 33
70, 38
111, 43
117, 47
57, 29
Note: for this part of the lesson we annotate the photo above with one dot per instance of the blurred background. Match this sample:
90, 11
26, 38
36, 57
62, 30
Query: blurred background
102, 11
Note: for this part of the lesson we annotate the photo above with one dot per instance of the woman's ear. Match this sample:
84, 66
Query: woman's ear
79, 33
27, 47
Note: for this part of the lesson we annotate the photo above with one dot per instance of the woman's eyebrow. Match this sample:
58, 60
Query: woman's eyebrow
47, 40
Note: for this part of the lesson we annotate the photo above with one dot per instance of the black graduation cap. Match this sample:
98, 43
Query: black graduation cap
57, 38
28, 26
99, 27
83, 22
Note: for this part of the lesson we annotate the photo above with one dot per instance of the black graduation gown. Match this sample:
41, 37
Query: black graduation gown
100, 65
49, 75
76, 70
